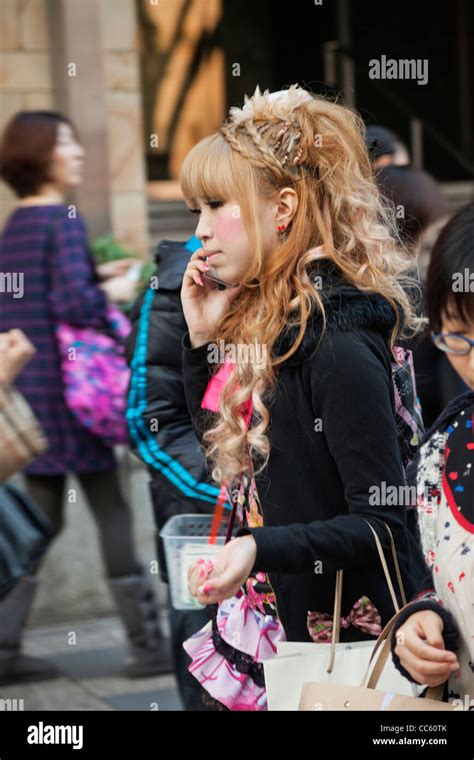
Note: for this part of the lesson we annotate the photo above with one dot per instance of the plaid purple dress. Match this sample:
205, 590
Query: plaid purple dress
50, 251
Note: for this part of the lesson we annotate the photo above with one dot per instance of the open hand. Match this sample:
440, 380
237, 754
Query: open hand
119, 289
214, 582
114, 268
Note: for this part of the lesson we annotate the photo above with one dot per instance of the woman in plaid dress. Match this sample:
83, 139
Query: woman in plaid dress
49, 277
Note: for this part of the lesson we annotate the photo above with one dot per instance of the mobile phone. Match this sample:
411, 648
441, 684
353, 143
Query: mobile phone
221, 284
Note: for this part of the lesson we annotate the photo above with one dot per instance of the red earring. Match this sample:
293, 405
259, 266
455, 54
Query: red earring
281, 228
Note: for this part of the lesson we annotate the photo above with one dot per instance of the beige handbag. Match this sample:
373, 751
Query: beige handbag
21, 437
337, 696
335, 663
329, 696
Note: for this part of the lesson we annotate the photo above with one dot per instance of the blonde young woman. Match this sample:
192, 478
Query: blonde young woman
289, 214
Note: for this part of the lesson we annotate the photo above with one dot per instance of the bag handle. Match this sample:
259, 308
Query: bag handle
385, 566
396, 563
338, 591
384, 641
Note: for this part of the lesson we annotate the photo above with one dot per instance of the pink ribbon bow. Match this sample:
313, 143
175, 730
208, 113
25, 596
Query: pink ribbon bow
212, 397
364, 615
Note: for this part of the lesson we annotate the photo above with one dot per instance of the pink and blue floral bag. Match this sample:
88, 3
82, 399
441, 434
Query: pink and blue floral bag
96, 376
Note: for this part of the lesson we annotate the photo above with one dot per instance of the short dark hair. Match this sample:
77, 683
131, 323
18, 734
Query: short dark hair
452, 253
380, 141
26, 148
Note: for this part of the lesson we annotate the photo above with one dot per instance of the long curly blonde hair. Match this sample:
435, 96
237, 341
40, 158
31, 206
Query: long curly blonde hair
317, 147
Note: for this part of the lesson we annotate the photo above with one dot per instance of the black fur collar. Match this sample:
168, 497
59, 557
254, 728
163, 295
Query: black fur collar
347, 308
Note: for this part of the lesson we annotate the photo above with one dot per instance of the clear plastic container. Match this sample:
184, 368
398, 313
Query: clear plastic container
185, 538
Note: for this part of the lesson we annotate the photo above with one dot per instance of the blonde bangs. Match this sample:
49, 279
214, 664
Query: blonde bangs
209, 171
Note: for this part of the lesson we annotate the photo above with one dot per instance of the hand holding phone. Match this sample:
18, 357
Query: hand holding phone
205, 299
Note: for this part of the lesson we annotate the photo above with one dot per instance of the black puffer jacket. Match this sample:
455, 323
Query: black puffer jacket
179, 483
315, 488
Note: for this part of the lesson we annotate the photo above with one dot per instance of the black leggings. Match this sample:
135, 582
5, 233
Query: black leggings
109, 507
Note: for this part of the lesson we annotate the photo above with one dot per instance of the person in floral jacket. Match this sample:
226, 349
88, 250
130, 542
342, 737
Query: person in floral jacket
440, 621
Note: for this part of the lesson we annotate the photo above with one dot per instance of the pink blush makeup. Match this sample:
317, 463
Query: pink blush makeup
228, 229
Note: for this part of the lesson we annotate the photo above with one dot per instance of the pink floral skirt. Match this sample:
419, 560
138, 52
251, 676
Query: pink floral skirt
228, 652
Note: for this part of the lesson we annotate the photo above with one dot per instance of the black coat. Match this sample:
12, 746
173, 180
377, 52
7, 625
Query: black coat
179, 482
314, 490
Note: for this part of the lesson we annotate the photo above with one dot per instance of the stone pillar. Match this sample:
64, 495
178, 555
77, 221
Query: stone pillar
78, 74
82, 58
25, 69
127, 181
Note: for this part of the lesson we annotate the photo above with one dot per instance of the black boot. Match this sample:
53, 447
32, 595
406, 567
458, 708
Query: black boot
16, 667
150, 653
